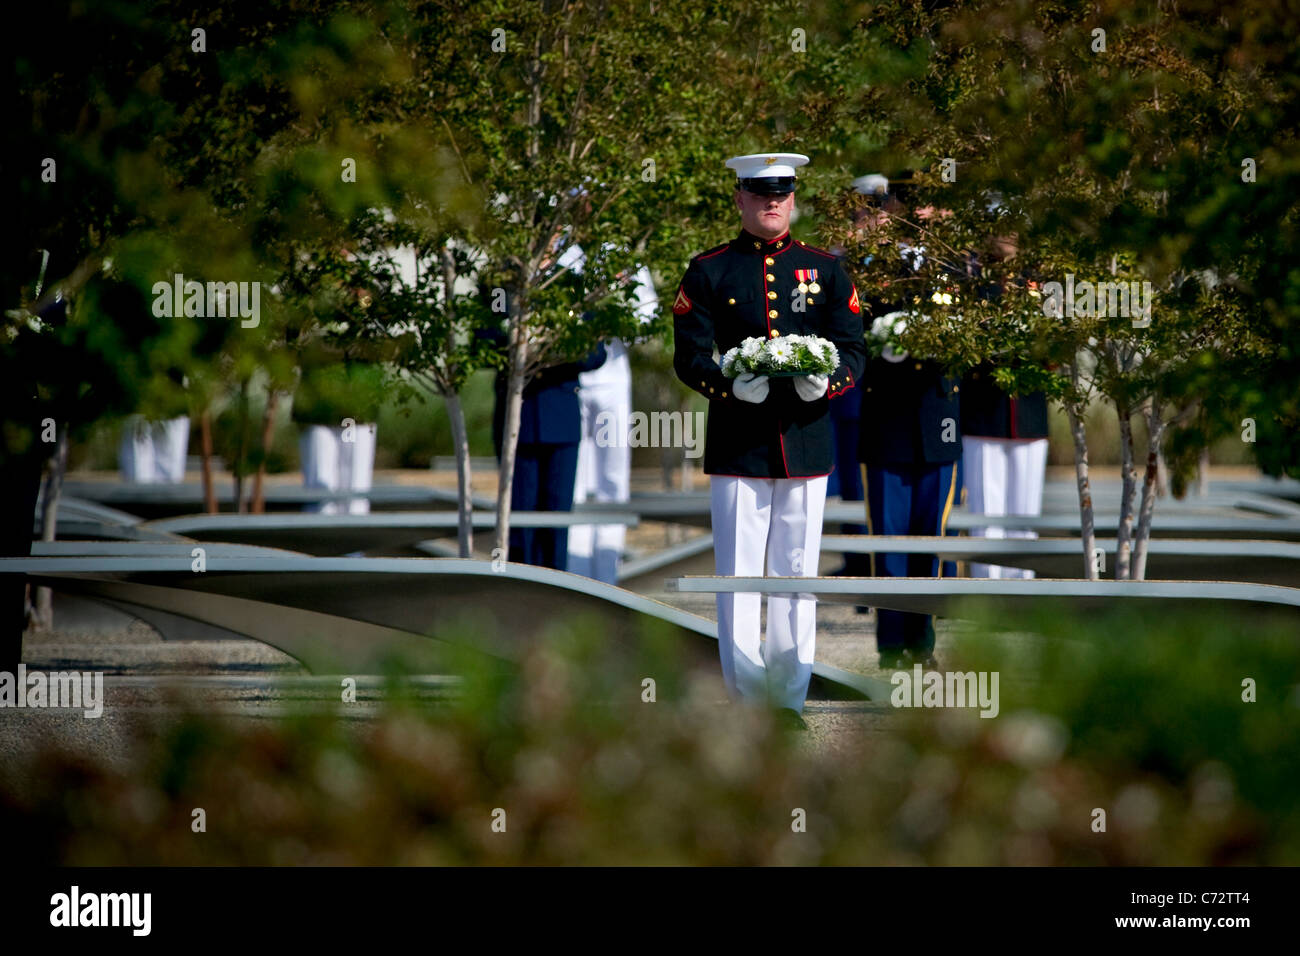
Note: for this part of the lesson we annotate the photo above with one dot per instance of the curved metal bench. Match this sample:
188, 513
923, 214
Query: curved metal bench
1182, 559
943, 596
322, 534
294, 603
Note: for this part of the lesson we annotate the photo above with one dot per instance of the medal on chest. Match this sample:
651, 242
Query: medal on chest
807, 279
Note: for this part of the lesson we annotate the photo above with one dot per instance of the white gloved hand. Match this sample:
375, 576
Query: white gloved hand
811, 387
750, 387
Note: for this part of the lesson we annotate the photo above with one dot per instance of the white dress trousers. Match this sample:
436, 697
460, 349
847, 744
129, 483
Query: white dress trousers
604, 464
772, 526
154, 452
1003, 476
335, 464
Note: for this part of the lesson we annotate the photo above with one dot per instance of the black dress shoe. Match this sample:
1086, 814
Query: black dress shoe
895, 660
926, 659
789, 719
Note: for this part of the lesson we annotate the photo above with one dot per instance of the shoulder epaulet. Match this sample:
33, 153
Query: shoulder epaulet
711, 252
820, 252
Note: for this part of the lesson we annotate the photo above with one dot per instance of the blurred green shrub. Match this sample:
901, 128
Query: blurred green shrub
1141, 717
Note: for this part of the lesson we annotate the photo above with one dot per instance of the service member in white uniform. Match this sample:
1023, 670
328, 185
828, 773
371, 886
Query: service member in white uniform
768, 446
339, 458
154, 452
604, 454
336, 404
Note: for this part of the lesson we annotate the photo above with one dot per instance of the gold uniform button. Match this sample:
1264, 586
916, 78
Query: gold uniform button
811, 300
710, 389
771, 295
770, 261
731, 302
770, 277
703, 384
956, 388
758, 245
724, 394
772, 313
918, 366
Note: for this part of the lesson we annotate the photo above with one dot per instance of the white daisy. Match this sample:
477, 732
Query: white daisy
779, 352
751, 347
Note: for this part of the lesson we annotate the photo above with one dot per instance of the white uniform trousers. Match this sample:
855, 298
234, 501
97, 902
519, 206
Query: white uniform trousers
331, 463
604, 474
154, 452
775, 522
1003, 476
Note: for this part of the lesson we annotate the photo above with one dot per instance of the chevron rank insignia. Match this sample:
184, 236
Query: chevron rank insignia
683, 304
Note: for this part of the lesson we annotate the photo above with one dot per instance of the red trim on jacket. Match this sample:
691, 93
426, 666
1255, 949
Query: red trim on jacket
839, 392
727, 474
820, 252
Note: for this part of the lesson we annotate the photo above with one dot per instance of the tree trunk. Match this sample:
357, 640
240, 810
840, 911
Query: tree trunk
464, 476
268, 426
241, 505
456, 414
43, 605
205, 436
1087, 524
510, 435
1128, 474
1155, 432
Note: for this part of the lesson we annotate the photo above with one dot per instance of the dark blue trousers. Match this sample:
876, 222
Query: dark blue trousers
544, 479
907, 499
846, 478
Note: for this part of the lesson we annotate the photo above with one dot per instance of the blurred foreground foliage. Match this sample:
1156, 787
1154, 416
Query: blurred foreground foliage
1142, 717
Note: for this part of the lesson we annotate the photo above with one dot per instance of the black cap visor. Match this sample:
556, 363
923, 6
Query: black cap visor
767, 185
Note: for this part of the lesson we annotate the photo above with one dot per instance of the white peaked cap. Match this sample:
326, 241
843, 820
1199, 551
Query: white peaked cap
764, 165
872, 184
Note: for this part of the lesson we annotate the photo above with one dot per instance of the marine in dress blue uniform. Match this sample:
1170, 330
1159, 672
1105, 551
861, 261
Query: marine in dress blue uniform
910, 444
910, 449
546, 458
769, 443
